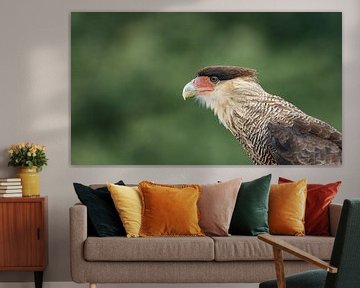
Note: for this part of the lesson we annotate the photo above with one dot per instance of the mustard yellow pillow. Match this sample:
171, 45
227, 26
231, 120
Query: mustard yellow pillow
127, 201
287, 204
169, 210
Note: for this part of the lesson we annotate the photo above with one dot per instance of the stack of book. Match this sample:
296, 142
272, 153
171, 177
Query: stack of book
10, 187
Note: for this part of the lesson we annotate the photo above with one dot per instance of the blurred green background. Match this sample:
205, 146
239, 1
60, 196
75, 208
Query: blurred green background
128, 71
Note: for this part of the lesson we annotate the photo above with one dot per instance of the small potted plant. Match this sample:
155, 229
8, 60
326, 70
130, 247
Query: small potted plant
30, 158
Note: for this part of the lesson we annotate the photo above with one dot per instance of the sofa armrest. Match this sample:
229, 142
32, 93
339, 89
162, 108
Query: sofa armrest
78, 235
334, 217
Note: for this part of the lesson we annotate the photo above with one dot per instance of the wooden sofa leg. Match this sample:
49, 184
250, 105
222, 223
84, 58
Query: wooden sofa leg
92, 285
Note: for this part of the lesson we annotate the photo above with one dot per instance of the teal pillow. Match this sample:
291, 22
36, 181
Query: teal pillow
250, 216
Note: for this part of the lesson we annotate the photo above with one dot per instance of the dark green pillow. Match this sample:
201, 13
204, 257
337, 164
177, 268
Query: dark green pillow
102, 215
250, 216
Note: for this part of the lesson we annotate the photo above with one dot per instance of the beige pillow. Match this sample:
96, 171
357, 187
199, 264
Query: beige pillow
216, 205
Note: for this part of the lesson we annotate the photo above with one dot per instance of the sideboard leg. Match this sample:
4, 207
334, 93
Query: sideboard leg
38, 279
92, 285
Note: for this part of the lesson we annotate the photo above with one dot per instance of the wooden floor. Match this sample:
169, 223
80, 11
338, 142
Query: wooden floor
74, 285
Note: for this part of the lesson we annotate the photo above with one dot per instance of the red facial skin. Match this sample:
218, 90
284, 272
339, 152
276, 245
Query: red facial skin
203, 84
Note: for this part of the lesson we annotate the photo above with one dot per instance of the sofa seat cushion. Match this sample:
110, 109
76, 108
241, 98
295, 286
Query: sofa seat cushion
149, 249
244, 248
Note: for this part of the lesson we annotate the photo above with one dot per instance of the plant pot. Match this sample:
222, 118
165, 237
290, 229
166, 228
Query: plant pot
30, 181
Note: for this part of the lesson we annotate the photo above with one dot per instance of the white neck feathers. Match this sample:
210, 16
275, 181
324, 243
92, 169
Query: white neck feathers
229, 96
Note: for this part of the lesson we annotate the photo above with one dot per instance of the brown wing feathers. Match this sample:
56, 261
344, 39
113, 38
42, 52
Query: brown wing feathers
304, 144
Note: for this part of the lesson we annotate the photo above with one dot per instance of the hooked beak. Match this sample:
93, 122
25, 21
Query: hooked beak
189, 90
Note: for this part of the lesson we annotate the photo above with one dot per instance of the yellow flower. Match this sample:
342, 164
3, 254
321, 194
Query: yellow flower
41, 147
11, 151
28, 154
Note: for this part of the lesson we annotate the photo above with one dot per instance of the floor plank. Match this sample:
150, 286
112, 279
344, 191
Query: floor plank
74, 285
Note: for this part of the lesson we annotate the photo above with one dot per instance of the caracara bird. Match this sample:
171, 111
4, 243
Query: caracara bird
271, 130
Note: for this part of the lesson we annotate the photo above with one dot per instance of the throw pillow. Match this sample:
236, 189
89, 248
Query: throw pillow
169, 210
250, 215
102, 215
287, 208
216, 206
319, 197
127, 201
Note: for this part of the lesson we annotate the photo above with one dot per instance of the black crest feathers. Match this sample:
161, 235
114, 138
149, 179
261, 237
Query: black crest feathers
227, 72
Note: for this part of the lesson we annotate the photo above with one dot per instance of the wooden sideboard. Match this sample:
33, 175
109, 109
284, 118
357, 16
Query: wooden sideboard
23, 235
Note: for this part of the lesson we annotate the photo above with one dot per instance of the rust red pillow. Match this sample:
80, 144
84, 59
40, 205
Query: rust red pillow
319, 197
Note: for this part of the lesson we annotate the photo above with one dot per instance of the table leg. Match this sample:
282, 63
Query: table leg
38, 279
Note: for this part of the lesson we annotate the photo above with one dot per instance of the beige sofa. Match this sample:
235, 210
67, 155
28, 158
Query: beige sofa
234, 259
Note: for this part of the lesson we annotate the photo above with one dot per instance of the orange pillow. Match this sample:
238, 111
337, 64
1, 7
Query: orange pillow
318, 200
287, 204
169, 210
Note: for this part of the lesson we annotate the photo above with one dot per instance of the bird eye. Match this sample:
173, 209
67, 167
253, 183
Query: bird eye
214, 79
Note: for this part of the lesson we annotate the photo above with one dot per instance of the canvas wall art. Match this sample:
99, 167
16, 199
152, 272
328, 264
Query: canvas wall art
206, 88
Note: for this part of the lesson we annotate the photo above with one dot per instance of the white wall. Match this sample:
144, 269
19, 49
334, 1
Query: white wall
35, 105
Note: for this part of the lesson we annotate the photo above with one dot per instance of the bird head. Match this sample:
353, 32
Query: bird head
217, 81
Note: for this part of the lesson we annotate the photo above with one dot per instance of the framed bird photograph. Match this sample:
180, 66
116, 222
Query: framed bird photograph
206, 88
